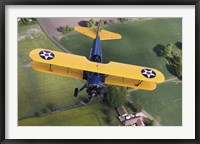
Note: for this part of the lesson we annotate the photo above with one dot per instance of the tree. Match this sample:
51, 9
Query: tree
123, 20
138, 107
24, 20
172, 56
177, 64
112, 119
135, 106
37, 114
178, 70
115, 96
45, 110
149, 122
168, 49
51, 106
90, 23
65, 29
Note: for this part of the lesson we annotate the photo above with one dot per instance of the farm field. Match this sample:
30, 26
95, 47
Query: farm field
164, 103
37, 91
91, 115
137, 44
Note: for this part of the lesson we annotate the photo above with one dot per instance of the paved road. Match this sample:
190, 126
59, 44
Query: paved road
52, 24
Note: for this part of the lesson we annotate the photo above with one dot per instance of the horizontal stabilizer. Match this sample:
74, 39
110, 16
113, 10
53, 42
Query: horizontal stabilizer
107, 35
90, 32
103, 34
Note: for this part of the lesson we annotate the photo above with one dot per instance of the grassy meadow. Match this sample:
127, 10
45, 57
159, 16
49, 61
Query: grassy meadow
164, 103
90, 115
37, 90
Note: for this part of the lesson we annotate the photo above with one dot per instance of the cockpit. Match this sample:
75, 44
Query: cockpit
96, 58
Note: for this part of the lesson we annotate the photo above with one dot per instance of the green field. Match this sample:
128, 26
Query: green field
164, 103
37, 90
91, 115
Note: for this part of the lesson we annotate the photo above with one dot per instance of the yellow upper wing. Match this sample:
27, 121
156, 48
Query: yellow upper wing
73, 65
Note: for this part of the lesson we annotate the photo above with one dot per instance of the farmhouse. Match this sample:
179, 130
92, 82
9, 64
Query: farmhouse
134, 121
129, 120
122, 111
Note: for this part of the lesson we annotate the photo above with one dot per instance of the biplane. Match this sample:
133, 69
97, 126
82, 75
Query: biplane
96, 73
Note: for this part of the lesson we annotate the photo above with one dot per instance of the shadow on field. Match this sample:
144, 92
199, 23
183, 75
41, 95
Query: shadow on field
159, 50
82, 23
179, 44
170, 69
59, 29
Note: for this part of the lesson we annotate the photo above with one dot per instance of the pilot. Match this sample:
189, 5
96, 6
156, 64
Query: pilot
96, 59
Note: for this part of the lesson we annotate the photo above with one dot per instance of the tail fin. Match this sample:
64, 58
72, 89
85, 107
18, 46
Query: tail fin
103, 34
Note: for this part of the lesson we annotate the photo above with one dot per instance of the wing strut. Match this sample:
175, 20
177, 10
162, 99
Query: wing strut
50, 68
139, 82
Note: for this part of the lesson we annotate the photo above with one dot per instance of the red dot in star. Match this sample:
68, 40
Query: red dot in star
148, 73
46, 54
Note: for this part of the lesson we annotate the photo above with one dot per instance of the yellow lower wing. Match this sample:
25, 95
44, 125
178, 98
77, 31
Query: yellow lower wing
73, 66
55, 69
132, 83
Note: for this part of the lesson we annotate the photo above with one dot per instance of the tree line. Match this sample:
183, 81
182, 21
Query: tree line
174, 57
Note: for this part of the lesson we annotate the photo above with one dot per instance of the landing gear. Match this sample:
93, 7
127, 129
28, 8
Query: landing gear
76, 92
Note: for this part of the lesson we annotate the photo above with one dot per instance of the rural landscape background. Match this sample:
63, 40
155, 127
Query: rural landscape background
47, 100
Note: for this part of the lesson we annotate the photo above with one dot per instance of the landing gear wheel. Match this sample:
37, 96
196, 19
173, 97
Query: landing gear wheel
76, 92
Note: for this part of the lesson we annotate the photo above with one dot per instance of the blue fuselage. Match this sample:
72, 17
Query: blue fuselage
94, 80
96, 50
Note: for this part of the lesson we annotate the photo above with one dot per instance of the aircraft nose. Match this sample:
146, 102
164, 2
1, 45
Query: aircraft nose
93, 93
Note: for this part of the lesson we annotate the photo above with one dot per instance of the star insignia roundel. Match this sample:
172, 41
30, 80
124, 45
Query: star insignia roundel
148, 73
46, 55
